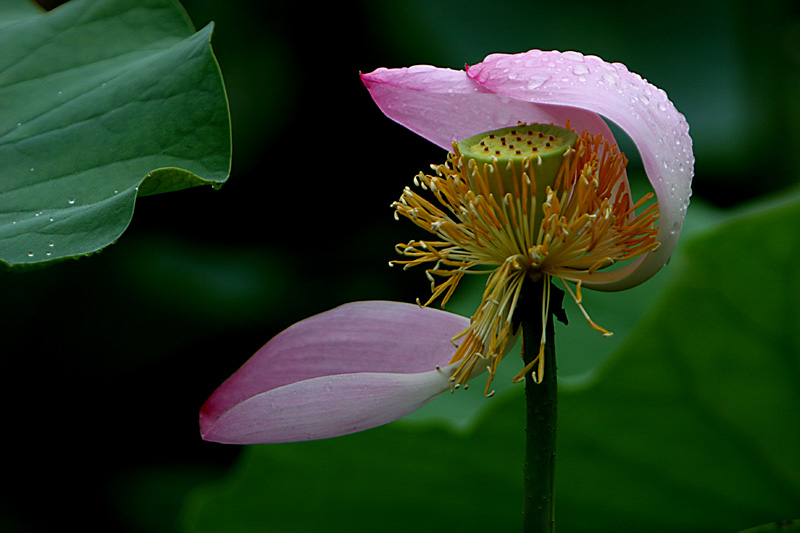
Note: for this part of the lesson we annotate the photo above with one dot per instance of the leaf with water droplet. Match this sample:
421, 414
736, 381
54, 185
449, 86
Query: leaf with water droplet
160, 122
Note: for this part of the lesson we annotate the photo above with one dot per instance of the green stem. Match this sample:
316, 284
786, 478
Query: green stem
541, 402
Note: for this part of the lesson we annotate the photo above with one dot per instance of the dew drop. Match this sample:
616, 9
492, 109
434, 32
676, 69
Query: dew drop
71, 201
580, 70
536, 83
30, 254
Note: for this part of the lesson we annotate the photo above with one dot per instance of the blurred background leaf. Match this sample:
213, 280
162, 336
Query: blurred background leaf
109, 358
691, 426
785, 526
99, 102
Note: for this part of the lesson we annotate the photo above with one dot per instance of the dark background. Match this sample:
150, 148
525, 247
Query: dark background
107, 359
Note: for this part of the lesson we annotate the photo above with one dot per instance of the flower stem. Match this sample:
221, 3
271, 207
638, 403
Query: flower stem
541, 403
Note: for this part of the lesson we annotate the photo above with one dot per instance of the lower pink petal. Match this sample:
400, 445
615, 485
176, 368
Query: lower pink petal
326, 407
386, 350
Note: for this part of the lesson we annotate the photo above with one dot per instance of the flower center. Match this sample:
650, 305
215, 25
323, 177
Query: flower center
525, 202
536, 150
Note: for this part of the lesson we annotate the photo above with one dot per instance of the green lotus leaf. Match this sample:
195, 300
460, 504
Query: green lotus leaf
101, 101
691, 425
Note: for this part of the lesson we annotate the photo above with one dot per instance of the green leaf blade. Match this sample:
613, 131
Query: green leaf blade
691, 425
96, 99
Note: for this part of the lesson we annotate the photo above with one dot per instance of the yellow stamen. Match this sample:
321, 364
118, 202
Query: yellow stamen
512, 217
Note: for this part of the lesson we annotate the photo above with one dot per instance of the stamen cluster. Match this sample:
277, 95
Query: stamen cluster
510, 231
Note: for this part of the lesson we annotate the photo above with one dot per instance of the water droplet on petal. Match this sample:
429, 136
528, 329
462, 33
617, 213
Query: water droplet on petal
536, 83
574, 56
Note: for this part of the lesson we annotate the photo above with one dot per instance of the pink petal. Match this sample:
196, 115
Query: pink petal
444, 105
357, 366
326, 407
643, 111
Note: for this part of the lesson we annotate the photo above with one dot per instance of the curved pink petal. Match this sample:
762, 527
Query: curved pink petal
643, 111
444, 105
355, 367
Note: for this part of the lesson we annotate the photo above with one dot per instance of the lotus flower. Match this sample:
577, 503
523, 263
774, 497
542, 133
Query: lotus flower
368, 363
